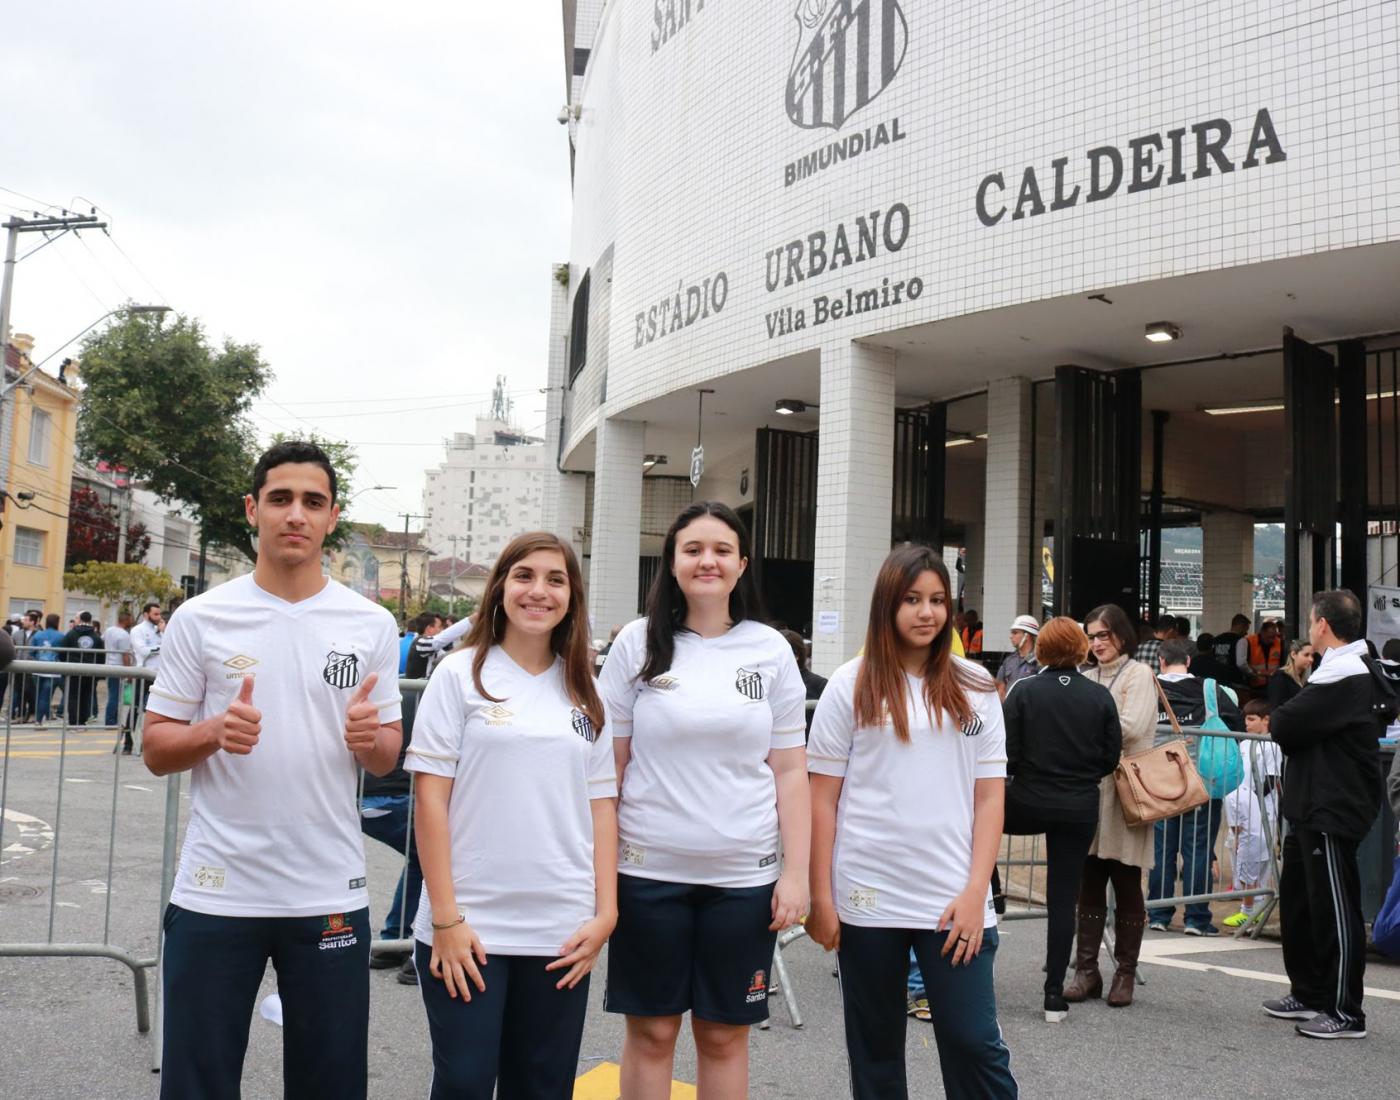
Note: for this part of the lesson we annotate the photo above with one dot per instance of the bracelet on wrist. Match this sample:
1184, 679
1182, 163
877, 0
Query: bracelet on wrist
461, 919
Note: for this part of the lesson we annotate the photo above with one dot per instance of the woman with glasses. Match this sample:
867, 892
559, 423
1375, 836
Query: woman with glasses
1120, 852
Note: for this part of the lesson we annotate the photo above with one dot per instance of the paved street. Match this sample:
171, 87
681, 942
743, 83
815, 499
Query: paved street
69, 1027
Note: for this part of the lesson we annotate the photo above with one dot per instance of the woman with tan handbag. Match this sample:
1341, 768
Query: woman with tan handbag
1120, 853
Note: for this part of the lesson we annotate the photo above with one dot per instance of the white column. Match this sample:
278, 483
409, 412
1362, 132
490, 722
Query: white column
617, 522
855, 465
1227, 569
1007, 518
571, 515
550, 518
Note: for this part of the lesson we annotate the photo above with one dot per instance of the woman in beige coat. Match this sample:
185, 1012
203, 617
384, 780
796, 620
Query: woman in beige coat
1120, 853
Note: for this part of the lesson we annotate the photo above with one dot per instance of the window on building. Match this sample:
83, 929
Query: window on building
578, 331
40, 436
29, 546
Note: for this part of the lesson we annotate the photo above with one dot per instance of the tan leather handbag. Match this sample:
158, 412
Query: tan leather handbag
1161, 782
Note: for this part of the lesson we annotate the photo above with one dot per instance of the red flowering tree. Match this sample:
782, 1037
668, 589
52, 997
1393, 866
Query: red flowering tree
92, 531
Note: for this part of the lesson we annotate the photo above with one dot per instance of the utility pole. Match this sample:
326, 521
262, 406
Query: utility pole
403, 569
13, 228
452, 599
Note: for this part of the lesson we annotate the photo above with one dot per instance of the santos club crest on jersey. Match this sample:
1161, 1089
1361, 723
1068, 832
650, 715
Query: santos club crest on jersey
342, 670
749, 683
582, 725
972, 727
847, 53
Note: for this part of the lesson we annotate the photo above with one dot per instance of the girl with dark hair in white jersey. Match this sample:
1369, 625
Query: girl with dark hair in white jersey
517, 835
706, 707
908, 763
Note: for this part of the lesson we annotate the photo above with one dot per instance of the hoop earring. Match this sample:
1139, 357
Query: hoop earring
496, 624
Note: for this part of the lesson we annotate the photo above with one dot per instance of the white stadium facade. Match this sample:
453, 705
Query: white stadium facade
1031, 278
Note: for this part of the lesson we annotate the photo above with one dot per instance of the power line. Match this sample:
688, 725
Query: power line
381, 400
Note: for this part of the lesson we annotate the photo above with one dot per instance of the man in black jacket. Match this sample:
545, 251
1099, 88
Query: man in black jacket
1331, 793
81, 691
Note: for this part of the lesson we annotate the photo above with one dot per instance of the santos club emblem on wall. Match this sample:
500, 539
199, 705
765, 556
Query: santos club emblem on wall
848, 51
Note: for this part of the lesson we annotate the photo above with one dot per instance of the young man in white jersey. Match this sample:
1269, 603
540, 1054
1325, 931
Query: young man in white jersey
274, 688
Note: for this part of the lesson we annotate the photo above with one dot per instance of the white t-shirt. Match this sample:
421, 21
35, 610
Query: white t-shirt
276, 833
523, 772
903, 847
146, 642
117, 642
699, 803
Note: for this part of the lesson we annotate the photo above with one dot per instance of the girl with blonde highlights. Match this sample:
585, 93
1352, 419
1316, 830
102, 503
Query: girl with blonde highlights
908, 763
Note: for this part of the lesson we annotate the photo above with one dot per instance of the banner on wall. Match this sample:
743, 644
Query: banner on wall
1383, 622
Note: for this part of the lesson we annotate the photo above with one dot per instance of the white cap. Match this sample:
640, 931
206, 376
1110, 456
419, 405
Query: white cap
1027, 624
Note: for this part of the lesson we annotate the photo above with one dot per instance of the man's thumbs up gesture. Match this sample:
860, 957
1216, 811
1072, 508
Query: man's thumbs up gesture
362, 717
241, 724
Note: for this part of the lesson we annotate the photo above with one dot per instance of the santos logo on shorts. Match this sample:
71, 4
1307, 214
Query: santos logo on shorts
749, 683
342, 670
336, 932
758, 988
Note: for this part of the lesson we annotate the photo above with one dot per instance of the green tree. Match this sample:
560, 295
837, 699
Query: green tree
121, 583
161, 401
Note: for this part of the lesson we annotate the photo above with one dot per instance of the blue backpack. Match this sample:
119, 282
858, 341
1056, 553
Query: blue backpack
1221, 766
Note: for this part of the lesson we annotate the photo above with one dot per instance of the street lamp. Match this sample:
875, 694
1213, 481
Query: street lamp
4, 392
367, 489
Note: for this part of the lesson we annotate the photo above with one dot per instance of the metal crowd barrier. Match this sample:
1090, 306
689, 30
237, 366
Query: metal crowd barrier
28, 687
1025, 852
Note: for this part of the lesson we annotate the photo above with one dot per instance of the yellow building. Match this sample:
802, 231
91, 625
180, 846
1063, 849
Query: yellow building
38, 429
372, 560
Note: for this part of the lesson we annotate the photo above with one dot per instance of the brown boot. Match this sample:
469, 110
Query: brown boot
1087, 982
1127, 933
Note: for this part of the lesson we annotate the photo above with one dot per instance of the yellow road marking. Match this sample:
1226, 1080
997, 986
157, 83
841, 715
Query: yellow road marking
604, 1082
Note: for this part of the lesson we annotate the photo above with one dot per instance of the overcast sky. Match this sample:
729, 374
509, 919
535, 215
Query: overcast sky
372, 193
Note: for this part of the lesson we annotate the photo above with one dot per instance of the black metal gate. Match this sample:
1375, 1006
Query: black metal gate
1099, 479
920, 466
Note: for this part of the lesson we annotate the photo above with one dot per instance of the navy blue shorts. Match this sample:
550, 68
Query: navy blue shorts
682, 947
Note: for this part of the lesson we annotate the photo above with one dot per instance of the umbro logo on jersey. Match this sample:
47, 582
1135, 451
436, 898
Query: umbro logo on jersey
240, 662
972, 727
582, 725
664, 683
749, 683
497, 715
342, 670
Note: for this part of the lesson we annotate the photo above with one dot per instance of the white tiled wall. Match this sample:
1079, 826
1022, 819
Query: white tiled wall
682, 151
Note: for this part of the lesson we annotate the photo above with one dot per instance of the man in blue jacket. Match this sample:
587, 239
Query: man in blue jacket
1331, 793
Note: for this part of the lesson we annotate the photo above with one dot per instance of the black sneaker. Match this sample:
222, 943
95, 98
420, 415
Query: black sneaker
408, 973
1323, 1026
1201, 930
387, 960
1289, 1008
1056, 1008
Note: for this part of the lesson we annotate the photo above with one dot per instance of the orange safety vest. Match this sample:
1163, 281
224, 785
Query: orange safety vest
971, 644
1269, 661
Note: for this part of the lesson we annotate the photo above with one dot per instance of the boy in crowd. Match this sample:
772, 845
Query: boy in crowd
273, 866
1329, 736
1248, 806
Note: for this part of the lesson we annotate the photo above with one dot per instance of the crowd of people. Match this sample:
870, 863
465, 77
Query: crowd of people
36, 697
674, 806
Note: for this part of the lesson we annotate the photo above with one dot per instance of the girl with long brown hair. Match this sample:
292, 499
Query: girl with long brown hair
908, 765
517, 834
